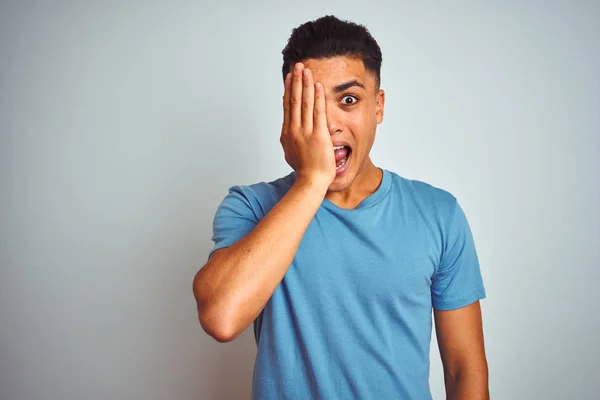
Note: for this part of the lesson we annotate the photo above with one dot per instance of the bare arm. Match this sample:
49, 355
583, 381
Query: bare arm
236, 282
460, 340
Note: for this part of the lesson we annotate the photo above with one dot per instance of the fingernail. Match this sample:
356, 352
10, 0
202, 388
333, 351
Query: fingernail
305, 72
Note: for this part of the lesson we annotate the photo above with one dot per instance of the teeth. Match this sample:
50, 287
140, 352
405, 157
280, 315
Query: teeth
342, 162
337, 147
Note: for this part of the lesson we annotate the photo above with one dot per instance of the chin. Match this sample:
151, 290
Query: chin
342, 182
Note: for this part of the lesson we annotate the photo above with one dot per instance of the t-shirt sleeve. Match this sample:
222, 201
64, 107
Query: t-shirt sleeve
234, 218
457, 281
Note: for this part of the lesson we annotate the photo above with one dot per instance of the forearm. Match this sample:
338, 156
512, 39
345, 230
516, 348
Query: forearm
235, 284
468, 385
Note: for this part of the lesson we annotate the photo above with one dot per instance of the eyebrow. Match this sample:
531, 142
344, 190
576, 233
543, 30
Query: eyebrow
347, 85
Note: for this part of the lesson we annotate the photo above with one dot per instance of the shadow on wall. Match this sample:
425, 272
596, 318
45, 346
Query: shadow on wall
227, 368
232, 367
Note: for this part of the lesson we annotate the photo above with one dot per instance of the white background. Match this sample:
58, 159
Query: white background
124, 124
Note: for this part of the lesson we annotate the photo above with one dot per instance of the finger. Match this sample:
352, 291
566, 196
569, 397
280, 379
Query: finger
308, 100
286, 104
320, 117
296, 99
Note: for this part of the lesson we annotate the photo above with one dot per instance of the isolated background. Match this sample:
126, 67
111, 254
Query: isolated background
123, 125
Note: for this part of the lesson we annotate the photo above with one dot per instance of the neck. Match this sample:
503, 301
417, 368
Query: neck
366, 183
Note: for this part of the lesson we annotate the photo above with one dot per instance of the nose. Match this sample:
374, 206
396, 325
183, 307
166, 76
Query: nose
334, 120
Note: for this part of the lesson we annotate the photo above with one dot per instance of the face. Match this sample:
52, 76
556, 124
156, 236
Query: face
354, 108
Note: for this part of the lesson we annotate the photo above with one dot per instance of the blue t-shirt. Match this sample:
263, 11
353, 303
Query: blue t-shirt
352, 317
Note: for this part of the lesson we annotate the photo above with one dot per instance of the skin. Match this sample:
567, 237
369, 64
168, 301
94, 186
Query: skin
460, 340
459, 332
352, 117
237, 281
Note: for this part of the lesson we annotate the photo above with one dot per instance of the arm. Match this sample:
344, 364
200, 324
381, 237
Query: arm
460, 340
237, 281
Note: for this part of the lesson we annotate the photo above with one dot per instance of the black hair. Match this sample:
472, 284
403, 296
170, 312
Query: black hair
329, 36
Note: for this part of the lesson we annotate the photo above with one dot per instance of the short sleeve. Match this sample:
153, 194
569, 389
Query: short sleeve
457, 281
234, 219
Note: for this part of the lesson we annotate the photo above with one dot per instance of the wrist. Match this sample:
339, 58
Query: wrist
313, 184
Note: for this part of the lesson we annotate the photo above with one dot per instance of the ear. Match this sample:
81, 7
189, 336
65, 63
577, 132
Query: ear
379, 103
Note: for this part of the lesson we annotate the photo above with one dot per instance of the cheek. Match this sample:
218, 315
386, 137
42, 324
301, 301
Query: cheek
363, 124
367, 114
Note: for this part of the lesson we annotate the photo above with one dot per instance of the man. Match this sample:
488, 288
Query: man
339, 264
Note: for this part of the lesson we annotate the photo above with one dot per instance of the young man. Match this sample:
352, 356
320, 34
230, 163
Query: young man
339, 264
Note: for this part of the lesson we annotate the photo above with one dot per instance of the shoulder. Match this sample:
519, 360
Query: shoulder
424, 195
262, 196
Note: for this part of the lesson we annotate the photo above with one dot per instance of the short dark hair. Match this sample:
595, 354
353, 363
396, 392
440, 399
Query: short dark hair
328, 37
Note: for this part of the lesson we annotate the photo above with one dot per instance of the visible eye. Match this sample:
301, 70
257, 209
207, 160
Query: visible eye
345, 101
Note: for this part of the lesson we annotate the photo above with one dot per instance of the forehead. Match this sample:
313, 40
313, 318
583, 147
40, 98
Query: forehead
335, 70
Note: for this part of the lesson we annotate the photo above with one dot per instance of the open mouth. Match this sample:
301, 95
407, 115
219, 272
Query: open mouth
342, 154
